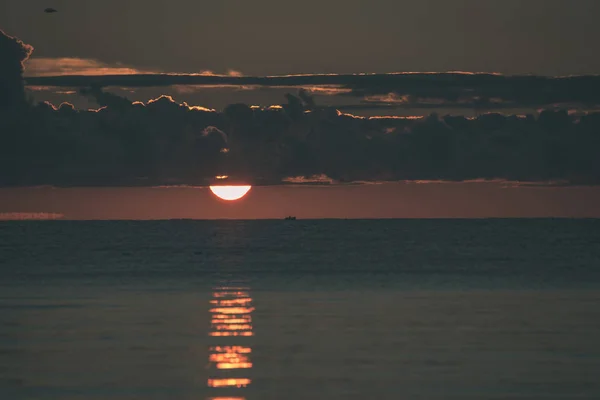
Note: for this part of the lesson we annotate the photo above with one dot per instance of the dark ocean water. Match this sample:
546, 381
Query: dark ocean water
330, 309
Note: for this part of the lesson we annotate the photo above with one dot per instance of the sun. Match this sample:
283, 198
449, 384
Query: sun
230, 193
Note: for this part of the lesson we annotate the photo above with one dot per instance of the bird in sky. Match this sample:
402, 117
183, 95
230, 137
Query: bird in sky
50, 10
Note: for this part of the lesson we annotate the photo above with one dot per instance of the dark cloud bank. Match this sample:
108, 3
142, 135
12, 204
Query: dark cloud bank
164, 142
436, 90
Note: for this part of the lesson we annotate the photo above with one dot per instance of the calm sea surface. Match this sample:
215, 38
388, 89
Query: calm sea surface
391, 309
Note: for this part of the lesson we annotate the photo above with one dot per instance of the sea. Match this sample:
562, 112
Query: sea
305, 309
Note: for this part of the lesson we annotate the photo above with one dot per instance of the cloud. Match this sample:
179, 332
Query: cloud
105, 99
13, 54
210, 130
326, 90
47, 66
179, 187
435, 90
165, 142
498, 181
315, 179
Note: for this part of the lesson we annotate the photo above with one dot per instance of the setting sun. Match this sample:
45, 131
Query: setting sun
230, 193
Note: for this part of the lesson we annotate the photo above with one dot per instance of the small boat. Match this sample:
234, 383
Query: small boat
290, 218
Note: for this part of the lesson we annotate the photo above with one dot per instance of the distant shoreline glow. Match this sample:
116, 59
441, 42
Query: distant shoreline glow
230, 193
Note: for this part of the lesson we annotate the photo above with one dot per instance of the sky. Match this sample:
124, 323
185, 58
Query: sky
391, 200
268, 37
540, 37
336, 92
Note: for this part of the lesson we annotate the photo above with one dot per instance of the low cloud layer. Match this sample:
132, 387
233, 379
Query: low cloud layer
164, 142
435, 90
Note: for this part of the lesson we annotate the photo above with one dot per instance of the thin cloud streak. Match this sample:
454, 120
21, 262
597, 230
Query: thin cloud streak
403, 89
68, 66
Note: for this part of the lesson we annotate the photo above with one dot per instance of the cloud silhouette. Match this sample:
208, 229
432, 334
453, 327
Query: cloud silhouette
13, 54
474, 90
164, 142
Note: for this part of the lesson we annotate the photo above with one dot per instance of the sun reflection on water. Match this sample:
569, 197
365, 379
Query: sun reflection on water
226, 398
229, 382
231, 316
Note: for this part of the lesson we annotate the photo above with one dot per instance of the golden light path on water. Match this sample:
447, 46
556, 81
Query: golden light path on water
231, 318
230, 193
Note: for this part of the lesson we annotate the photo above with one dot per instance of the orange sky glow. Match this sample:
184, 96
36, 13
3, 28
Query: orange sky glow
393, 200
